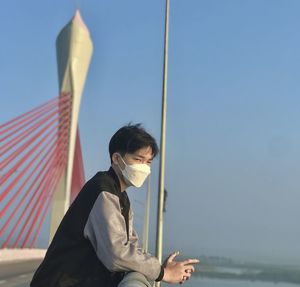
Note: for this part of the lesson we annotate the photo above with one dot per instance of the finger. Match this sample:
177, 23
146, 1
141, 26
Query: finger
190, 275
190, 268
187, 276
188, 271
190, 261
184, 279
172, 256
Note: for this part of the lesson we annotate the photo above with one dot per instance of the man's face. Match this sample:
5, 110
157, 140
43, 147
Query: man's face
133, 177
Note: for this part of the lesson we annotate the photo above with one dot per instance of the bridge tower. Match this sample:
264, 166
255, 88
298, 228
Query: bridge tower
74, 49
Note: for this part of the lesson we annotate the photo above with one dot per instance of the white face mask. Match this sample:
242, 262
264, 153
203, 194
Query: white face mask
135, 174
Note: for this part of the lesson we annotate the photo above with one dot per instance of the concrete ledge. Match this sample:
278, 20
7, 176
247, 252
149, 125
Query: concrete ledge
13, 255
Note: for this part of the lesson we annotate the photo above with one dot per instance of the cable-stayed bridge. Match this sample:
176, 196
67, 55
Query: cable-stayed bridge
41, 165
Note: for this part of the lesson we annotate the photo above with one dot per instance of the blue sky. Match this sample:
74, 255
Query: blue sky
233, 136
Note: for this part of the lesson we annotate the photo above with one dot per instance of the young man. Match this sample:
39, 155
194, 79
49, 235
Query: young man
95, 244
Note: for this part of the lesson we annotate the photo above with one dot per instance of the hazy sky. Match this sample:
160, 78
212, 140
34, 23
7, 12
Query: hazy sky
233, 132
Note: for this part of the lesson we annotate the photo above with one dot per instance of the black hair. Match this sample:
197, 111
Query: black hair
130, 138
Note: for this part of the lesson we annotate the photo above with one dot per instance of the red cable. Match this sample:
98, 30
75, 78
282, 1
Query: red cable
14, 141
32, 161
37, 178
41, 203
18, 164
61, 137
49, 199
12, 232
48, 174
17, 179
38, 200
18, 126
28, 113
26, 144
32, 112
47, 204
40, 224
23, 147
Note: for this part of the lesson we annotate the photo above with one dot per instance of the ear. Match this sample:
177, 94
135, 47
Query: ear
114, 158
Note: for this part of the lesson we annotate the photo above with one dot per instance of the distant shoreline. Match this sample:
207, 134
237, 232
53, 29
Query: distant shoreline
225, 268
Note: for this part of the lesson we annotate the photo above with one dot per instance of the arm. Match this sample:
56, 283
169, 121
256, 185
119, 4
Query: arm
106, 230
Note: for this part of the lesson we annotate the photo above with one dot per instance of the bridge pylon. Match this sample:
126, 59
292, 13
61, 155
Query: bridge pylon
74, 50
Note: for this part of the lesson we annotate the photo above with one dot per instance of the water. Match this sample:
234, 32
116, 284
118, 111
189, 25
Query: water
206, 282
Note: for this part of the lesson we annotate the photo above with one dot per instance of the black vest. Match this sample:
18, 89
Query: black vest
70, 259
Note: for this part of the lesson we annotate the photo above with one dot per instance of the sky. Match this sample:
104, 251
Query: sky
233, 135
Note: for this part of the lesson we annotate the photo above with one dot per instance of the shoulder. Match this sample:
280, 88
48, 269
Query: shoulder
102, 181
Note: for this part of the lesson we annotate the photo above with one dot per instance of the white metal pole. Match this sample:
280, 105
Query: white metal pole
146, 217
159, 233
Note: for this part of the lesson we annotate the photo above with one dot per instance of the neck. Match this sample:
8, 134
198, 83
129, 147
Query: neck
123, 184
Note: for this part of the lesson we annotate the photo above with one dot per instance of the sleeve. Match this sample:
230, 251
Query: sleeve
106, 230
133, 238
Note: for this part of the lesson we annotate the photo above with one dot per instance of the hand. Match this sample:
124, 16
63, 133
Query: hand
178, 272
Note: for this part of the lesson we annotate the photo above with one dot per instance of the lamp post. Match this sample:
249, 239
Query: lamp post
159, 232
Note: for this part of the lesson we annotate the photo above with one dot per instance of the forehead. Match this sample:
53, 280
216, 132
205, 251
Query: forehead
145, 152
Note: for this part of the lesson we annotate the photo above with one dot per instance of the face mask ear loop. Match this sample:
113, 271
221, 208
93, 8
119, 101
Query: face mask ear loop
122, 160
123, 171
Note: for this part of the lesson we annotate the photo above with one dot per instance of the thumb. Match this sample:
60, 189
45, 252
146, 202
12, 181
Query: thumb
172, 256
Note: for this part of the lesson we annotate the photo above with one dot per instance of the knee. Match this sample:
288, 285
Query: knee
135, 279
